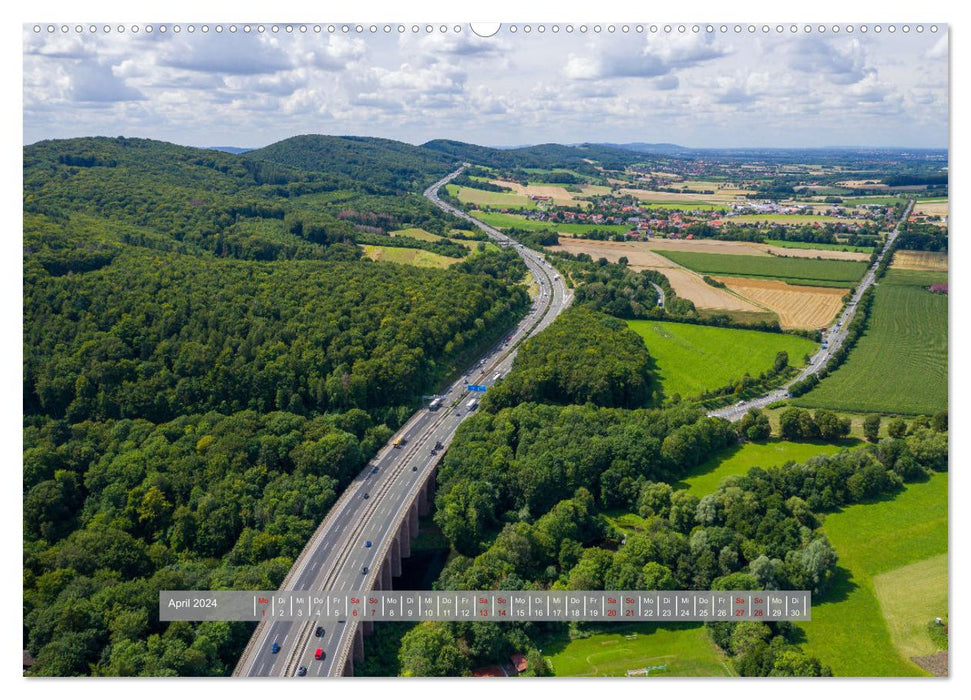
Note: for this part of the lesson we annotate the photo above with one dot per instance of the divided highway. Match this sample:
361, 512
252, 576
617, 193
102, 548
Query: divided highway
374, 506
832, 339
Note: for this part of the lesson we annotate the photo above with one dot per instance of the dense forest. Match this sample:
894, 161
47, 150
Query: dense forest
207, 362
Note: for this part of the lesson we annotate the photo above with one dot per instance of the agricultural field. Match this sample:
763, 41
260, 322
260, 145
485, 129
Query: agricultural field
899, 365
738, 459
862, 626
796, 306
794, 219
499, 220
823, 273
930, 261
819, 247
692, 359
931, 206
485, 198
706, 245
683, 648
558, 193
687, 284
407, 256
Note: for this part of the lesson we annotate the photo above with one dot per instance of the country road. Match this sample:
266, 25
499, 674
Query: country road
374, 506
832, 339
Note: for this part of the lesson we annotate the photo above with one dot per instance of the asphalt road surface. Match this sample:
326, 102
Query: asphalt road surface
832, 339
376, 502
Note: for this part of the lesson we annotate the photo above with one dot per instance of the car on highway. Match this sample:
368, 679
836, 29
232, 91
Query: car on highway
302, 671
319, 632
374, 470
415, 468
363, 569
275, 649
366, 495
320, 654
367, 543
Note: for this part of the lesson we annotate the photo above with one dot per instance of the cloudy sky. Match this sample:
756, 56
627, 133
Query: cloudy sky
702, 90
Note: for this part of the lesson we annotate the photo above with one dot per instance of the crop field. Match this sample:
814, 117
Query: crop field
796, 306
899, 365
692, 206
484, 198
802, 245
683, 648
910, 597
407, 256
855, 629
738, 459
419, 233
794, 219
828, 273
559, 194
931, 206
692, 358
707, 245
684, 198
513, 221
931, 261
686, 284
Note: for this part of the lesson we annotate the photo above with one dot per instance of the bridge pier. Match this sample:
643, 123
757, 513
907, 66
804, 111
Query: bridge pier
367, 628
358, 653
395, 555
386, 575
404, 537
413, 520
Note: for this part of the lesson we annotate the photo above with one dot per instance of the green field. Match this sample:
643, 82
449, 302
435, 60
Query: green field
795, 219
692, 358
418, 233
685, 206
407, 256
899, 365
485, 198
910, 597
810, 271
513, 221
684, 648
738, 459
819, 246
849, 630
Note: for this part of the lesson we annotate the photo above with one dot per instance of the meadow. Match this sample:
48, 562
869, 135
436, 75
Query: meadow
738, 459
862, 625
794, 219
407, 256
808, 271
684, 648
899, 364
693, 358
485, 198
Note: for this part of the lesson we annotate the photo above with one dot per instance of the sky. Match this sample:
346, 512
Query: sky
695, 89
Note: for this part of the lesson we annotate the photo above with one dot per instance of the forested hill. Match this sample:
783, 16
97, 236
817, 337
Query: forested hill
393, 164
583, 157
208, 361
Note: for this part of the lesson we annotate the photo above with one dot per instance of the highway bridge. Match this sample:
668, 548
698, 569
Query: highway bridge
383, 503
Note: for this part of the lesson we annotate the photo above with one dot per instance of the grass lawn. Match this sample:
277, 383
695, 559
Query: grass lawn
738, 459
795, 270
684, 648
848, 630
819, 246
910, 597
692, 358
513, 221
899, 365
407, 256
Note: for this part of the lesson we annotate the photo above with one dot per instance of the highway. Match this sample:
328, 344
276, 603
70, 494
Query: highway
833, 337
375, 504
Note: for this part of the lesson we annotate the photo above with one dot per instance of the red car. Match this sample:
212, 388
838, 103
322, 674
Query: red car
319, 654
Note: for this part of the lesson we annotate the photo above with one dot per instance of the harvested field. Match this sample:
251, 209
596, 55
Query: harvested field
706, 245
686, 197
484, 198
685, 283
814, 253
796, 306
557, 192
919, 260
419, 233
931, 207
